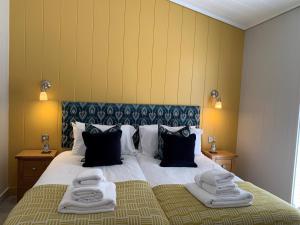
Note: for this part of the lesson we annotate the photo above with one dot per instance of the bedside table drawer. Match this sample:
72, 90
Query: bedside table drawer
31, 165
225, 163
27, 182
32, 168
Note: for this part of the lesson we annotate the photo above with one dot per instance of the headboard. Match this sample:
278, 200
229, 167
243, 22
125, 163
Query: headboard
133, 114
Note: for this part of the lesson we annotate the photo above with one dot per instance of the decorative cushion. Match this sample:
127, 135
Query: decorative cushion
93, 129
102, 148
178, 150
179, 131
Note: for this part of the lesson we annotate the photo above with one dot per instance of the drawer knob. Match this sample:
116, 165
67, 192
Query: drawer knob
33, 168
223, 166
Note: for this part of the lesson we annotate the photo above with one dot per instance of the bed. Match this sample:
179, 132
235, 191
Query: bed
157, 175
66, 166
146, 193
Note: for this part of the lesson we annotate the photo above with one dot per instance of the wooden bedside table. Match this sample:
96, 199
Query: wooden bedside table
31, 165
223, 158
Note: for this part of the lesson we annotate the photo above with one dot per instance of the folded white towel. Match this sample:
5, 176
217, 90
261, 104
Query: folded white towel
68, 205
214, 177
89, 177
93, 193
229, 190
212, 201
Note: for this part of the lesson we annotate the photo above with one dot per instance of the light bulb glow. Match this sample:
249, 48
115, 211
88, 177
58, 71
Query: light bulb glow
218, 104
43, 96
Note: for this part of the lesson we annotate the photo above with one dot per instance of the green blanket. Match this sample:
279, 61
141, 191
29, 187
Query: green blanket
136, 204
181, 207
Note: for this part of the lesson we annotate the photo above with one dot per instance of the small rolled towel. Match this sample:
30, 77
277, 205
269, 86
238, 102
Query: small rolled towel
212, 201
68, 205
229, 190
93, 193
89, 177
214, 177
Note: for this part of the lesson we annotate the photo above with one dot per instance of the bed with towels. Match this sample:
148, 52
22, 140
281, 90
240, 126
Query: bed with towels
66, 166
136, 204
138, 188
157, 175
266, 208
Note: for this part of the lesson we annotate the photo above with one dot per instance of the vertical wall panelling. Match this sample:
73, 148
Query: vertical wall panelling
34, 37
100, 50
17, 57
116, 49
68, 49
213, 57
125, 51
84, 52
131, 50
187, 57
160, 39
173, 54
210, 115
199, 62
145, 61
51, 67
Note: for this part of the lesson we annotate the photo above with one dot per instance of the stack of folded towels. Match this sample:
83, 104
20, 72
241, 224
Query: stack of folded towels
90, 193
216, 189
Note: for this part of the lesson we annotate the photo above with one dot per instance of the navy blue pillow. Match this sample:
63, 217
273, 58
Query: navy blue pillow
185, 132
178, 151
102, 149
94, 130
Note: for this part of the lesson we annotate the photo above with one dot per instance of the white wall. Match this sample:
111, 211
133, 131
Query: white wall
270, 104
4, 51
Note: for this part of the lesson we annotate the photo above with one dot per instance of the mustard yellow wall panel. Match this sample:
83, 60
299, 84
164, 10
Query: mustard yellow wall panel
199, 61
145, 60
68, 34
127, 51
131, 50
186, 57
173, 54
100, 50
116, 50
159, 55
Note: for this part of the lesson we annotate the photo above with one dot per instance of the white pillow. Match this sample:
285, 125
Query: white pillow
198, 132
127, 140
148, 139
127, 146
78, 144
103, 128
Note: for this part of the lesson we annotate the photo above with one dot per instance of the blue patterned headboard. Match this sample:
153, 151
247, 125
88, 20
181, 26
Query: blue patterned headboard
108, 114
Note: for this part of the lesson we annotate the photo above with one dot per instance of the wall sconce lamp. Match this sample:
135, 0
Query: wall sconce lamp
216, 99
45, 85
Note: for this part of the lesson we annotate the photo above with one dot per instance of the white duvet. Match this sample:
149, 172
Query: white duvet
157, 175
65, 167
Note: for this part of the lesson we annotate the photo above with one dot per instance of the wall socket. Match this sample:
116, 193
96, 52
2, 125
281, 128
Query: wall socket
211, 139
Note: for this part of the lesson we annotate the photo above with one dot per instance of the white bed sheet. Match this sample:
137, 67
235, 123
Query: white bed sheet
157, 175
64, 168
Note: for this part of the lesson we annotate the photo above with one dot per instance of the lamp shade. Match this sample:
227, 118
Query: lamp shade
218, 104
43, 96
